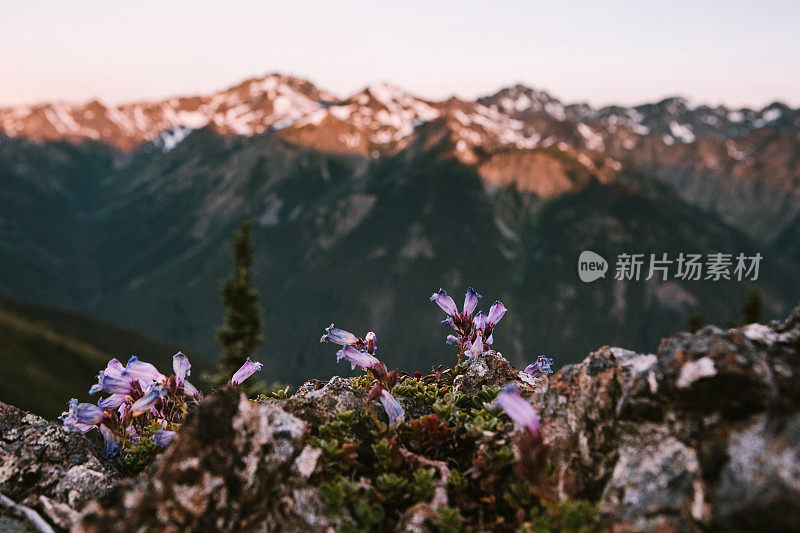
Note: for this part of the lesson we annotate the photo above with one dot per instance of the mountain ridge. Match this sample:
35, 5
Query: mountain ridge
291, 98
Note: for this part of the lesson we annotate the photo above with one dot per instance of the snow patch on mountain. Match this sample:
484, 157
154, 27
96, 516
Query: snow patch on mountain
682, 132
169, 139
594, 141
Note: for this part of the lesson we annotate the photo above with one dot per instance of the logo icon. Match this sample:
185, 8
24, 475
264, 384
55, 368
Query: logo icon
591, 266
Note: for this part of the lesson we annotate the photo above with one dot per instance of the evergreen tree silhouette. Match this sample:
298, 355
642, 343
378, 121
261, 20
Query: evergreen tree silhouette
753, 307
240, 334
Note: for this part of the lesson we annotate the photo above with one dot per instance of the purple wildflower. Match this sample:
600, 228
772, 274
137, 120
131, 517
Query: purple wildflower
496, 312
148, 401
338, 336
518, 409
85, 416
473, 333
113, 369
112, 380
540, 366
470, 301
81, 416
394, 410
449, 306
248, 369
445, 302
357, 358
479, 320
485, 324
116, 385
191, 390
136, 369
113, 401
162, 437
345, 338
182, 368
370, 341
110, 438
476, 347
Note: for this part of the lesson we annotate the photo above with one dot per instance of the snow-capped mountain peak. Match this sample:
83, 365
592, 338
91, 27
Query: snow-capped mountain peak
520, 99
382, 118
249, 108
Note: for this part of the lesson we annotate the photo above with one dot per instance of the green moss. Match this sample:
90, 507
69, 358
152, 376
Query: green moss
136, 455
275, 392
421, 486
577, 516
391, 485
361, 383
368, 465
344, 496
447, 520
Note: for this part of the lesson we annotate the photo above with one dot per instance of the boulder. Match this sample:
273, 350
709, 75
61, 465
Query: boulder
234, 466
48, 470
702, 434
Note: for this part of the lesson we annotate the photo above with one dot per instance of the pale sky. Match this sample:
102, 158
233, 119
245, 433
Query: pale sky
627, 52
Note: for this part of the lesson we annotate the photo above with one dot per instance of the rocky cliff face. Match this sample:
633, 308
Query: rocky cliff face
701, 434
705, 433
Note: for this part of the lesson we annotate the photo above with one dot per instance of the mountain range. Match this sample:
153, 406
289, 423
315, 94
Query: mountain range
363, 205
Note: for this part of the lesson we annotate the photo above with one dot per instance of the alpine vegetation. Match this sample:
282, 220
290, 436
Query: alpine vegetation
450, 448
359, 352
143, 409
456, 454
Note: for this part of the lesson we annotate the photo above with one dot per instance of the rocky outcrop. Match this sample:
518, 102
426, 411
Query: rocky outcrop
46, 470
703, 434
236, 465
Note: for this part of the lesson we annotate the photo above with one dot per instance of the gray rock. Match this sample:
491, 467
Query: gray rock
656, 478
703, 434
234, 466
318, 407
50, 470
491, 370
759, 487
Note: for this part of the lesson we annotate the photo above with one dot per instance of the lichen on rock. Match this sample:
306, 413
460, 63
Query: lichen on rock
47, 468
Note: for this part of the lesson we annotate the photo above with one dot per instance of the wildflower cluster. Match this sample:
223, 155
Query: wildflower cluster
360, 352
459, 456
453, 453
474, 334
143, 406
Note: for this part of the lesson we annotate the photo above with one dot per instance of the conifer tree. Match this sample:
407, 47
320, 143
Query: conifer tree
240, 334
753, 307
695, 321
